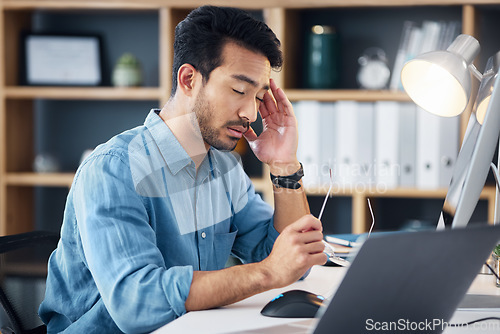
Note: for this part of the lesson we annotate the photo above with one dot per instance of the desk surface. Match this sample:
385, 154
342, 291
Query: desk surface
245, 317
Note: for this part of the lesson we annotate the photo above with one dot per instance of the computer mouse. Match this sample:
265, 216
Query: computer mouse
293, 304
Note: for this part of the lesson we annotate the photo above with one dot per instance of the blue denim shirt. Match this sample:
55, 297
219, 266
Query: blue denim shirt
138, 220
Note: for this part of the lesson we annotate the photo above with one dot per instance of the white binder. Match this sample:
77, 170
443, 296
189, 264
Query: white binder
328, 143
308, 150
346, 138
364, 168
437, 149
387, 144
448, 148
407, 144
428, 147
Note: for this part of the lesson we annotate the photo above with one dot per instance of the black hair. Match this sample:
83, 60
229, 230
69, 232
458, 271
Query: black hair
201, 36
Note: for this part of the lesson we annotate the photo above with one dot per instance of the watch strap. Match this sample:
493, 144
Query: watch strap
289, 181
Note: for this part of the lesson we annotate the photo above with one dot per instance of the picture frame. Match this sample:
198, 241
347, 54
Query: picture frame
61, 60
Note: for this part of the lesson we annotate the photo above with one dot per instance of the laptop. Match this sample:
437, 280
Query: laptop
399, 281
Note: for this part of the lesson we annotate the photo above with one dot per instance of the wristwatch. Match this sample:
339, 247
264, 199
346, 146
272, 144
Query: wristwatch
290, 181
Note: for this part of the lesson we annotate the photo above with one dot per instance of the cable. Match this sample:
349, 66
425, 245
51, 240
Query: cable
492, 270
482, 319
465, 324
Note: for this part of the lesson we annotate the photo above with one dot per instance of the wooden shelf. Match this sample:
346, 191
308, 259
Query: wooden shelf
488, 192
344, 94
81, 4
83, 93
369, 192
256, 4
112, 93
39, 179
262, 184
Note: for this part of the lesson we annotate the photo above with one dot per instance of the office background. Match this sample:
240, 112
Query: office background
63, 122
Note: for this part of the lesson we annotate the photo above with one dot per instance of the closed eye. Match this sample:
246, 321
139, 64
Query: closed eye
242, 93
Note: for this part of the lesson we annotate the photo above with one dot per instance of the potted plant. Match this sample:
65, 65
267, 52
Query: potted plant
127, 71
496, 259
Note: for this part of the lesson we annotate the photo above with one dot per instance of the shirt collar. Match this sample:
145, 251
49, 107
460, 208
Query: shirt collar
172, 151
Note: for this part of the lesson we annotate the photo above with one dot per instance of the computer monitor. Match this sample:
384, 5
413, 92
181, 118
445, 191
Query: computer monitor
472, 165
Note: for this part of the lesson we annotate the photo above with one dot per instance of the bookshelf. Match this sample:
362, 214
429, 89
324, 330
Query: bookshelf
19, 104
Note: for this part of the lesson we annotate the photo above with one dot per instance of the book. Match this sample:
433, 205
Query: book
340, 250
352, 240
431, 32
415, 40
348, 239
414, 43
395, 83
450, 31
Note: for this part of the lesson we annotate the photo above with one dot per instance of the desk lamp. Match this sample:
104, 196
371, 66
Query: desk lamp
486, 88
440, 82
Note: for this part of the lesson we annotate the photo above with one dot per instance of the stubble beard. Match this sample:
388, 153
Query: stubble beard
204, 114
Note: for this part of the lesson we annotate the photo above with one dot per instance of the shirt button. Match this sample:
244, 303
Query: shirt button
203, 235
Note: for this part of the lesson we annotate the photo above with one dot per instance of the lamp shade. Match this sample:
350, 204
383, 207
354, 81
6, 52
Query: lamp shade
486, 87
440, 81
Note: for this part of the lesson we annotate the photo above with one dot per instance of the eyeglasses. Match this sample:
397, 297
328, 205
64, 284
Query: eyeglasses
329, 251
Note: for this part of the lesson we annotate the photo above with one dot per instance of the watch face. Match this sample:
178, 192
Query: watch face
373, 75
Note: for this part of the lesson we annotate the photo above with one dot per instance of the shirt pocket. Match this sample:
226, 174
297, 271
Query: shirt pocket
223, 244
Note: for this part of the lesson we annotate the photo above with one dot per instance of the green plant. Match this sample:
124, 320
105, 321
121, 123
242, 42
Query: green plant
128, 59
496, 251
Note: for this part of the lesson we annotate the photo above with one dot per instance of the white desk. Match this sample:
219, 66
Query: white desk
245, 317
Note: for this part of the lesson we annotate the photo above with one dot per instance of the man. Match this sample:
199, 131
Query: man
154, 213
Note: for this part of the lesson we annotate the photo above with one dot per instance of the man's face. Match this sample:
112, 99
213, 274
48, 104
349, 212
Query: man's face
227, 104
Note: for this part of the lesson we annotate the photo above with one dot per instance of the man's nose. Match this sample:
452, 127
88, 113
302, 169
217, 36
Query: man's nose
249, 110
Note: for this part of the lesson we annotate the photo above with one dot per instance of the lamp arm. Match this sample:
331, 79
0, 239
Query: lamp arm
496, 174
475, 72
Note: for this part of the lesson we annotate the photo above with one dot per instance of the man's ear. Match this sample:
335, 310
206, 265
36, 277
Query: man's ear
186, 77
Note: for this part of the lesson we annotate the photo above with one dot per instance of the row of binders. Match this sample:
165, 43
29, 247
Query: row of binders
375, 145
415, 40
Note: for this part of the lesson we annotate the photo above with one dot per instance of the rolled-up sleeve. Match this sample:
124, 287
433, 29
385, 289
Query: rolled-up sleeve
120, 249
